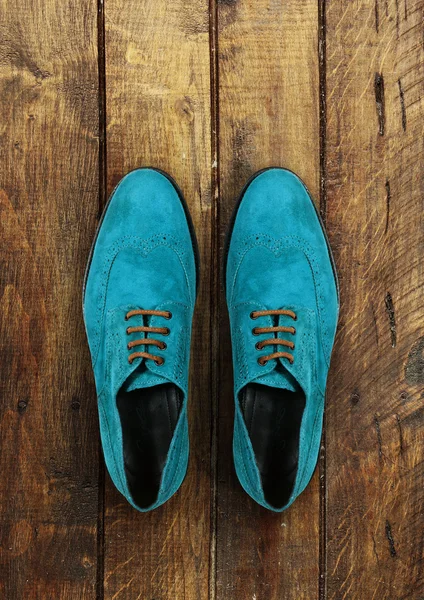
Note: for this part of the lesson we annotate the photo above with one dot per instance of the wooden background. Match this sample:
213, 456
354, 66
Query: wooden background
212, 92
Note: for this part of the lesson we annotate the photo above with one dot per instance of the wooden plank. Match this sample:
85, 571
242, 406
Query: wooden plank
269, 116
375, 433
48, 206
158, 114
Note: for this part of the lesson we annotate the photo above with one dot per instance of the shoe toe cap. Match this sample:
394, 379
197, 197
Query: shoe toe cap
144, 203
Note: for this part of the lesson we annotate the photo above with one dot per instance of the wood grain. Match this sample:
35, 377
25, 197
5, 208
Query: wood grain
375, 450
48, 207
212, 91
158, 114
269, 116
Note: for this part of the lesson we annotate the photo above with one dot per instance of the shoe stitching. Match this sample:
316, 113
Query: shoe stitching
252, 464
277, 246
174, 463
176, 460
239, 331
177, 438
146, 246
247, 461
304, 470
111, 257
182, 353
243, 370
111, 450
249, 483
118, 347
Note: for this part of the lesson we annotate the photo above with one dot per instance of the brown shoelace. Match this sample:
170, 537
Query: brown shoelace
147, 341
274, 341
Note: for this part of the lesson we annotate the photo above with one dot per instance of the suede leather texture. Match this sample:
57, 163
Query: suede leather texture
278, 258
143, 258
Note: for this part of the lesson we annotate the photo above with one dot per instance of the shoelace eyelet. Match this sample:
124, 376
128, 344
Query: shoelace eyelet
158, 360
274, 341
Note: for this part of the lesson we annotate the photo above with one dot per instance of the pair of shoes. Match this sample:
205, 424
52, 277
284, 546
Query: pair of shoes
139, 296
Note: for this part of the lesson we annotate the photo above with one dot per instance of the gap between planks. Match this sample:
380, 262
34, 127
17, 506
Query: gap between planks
214, 283
101, 66
322, 65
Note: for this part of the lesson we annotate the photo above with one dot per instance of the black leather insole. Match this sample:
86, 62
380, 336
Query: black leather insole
273, 417
148, 418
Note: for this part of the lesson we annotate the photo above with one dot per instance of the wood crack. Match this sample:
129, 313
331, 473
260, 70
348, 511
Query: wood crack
388, 202
322, 69
379, 99
389, 536
377, 17
379, 438
390, 309
402, 104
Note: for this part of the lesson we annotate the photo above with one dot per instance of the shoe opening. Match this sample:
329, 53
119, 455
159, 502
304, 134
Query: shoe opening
148, 418
273, 417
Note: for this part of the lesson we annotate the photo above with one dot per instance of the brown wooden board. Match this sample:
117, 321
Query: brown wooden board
212, 91
48, 209
158, 114
375, 187
269, 116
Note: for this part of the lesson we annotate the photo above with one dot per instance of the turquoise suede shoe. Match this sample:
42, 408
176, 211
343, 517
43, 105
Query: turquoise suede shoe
139, 296
282, 297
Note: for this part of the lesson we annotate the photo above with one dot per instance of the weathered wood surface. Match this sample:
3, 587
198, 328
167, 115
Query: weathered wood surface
48, 208
212, 91
375, 189
158, 114
269, 116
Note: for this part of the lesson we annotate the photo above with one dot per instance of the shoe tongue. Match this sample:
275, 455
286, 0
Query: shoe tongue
279, 378
142, 377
